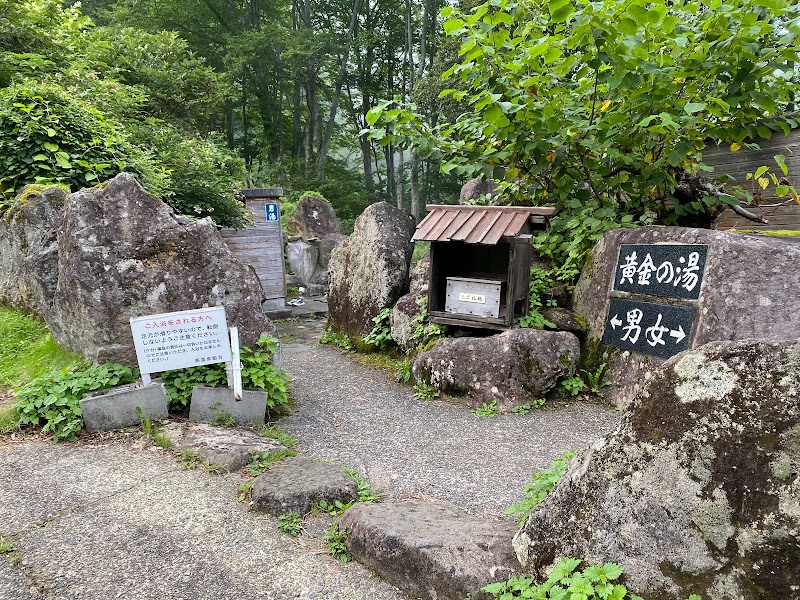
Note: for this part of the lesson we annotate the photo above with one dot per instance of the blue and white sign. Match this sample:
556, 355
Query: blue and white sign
272, 211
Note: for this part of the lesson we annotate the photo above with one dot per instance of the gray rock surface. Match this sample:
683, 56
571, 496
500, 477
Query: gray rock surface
301, 258
747, 281
217, 404
121, 253
294, 484
698, 489
511, 368
431, 550
313, 218
476, 189
29, 249
420, 273
369, 271
407, 309
564, 320
228, 448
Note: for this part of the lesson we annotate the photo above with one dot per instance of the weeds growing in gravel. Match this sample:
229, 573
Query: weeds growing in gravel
290, 523
540, 485
262, 461
9, 419
365, 491
424, 391
333, 508
524, 409
336, 538
487, 409
154, 431
6, 547
244, 490
276, 433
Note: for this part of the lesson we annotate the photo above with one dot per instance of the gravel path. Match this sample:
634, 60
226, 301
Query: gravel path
356, 417
116, 517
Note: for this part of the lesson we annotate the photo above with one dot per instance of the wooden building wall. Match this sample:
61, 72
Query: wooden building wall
261, 247
738, 164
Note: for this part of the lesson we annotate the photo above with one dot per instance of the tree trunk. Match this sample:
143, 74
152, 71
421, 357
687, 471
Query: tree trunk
415, 184
229, 124
400, 178
325, 136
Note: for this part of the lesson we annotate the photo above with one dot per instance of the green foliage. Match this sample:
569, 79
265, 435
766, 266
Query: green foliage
258, 372
189, 459
404, 371
52, 400
180, 383
6, 547
622, 96
276, 433
223, 418
48, 136
154, 431
425, 334
524, 409
290, 523
262, 461
244, 489
334, 338
365, 491
540, 485
595, 582
27, 349
336, 539
381, 335
333, 508
541, 282
487, 409
572, 386
424, 391
9, 419
594, 379
205, 177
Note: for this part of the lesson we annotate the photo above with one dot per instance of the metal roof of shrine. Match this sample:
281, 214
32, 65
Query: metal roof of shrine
477, 224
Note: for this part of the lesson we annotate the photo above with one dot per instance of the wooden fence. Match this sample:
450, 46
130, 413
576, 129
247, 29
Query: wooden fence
739, 164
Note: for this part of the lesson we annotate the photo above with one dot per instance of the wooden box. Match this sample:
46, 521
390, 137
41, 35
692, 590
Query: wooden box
475, 296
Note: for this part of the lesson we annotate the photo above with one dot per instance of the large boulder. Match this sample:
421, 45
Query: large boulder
698, 489
116, 252
420, 273
511, 368
369, 271
313, 218
301, 258
744, 295
477, 190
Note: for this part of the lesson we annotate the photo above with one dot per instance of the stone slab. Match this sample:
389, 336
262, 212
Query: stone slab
229, 448
294, 484
747, 286
210, 404
117, 408
431, 550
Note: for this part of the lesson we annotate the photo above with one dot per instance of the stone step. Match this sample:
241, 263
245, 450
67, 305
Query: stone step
431, 550
295, 484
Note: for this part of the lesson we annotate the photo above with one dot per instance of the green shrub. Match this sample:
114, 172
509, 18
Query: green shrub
595, 582
258, 372
290, 523
51, 400
541, 484
49, 136
381, 335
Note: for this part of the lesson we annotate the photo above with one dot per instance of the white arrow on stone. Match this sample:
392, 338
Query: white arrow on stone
615, 320
678, 335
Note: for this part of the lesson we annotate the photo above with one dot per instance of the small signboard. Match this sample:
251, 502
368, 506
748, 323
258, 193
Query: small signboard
660, 330
175, 340
272, 211
670, 270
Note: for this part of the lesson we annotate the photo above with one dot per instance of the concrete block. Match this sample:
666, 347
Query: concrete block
210, 405
116, 408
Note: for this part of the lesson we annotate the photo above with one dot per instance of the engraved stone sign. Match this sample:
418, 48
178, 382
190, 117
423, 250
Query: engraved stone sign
670, 270
660, 330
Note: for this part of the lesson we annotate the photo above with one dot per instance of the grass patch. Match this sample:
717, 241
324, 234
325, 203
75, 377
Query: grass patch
28, 350
9, 418
276, 433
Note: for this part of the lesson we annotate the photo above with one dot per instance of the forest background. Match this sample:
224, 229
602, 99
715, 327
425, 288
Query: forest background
599, 108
